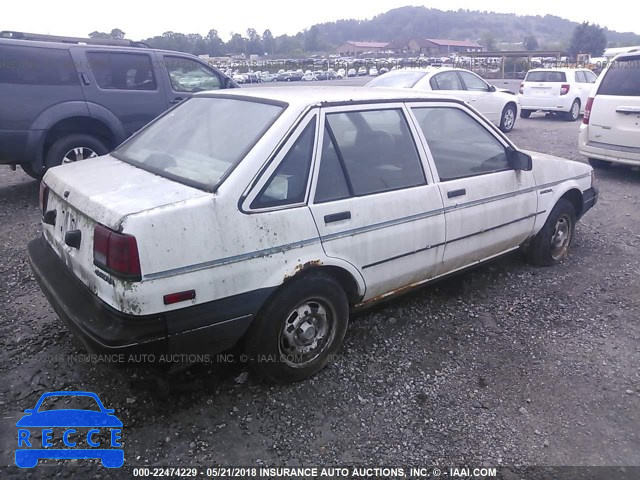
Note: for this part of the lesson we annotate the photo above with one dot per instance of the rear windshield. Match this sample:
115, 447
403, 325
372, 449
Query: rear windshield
202, 140
397, 80
622, 78
546, 77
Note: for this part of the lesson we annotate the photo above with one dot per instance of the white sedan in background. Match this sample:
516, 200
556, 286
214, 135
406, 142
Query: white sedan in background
501, 107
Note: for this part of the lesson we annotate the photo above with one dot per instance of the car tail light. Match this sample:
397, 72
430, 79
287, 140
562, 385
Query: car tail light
43, 197
587, 111
522, 88
178, 297
117, 253
564, 89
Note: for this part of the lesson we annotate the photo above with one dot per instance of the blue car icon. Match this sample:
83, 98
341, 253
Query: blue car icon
29, 452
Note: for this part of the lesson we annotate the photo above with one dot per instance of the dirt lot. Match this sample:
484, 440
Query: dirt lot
508, 365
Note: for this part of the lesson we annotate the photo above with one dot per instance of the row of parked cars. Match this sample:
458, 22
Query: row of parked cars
303, 75
262, 217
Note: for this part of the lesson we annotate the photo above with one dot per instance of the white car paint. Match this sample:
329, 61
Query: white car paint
610, 132
461, 83
542, 91
216, 244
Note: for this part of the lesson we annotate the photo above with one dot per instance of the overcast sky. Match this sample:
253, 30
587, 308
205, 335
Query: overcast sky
144, 19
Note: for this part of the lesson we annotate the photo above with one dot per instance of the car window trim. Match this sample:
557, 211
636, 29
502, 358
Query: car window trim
199, 62
492, 129
357, 107
143, 53
269, 167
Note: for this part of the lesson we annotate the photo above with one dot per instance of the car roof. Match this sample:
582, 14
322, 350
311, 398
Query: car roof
559, 69
303, 96
62, 45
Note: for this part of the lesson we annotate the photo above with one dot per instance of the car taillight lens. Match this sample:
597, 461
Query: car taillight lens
521, 88
116, 253
43, 197
587, 111
564, 89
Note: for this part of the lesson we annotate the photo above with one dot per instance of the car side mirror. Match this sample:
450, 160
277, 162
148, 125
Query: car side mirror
492, 88
519, 160
29, 410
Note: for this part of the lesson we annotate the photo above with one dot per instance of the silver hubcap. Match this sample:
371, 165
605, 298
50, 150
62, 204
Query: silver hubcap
306, 333
561, 238
509, 119
575, 110
78, 153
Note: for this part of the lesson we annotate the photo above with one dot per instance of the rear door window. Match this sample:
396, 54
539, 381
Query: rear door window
36, 66
122, 71
622, 78
446, 81
544, 77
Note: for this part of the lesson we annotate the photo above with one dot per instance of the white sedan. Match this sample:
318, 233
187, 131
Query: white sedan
264, 216
500, 106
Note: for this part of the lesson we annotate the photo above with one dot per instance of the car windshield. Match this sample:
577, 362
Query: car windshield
202, 140
67, 402
397, 80
546, 77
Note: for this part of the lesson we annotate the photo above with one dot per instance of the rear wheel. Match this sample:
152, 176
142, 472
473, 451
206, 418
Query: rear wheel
551, 244
508, 118
596, 163
32, 172
295, 334
73, 148
573, 114
525, 113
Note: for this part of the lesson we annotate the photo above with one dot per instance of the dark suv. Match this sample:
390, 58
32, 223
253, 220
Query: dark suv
64, 99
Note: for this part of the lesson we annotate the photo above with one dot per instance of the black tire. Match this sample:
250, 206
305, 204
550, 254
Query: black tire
525, 113
66, 145
267, 344
574, 112
596, 163
29, 170
545, 249
508, 118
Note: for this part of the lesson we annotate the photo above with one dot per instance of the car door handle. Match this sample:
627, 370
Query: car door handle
176, 100
457, 193
628, 110
336, 217
85, 78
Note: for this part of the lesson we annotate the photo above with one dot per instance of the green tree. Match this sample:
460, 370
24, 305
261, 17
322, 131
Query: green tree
530, 43
254, 42
117, 34
236, 44
488, 42
215, 45
269, 42
96, 34
587, 38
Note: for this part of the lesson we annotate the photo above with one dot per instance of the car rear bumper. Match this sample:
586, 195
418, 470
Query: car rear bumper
547, 104
608, 152
206, 328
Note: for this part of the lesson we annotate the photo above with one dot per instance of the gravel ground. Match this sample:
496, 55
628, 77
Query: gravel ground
507, 365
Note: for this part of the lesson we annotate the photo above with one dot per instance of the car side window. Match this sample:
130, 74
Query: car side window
288, 184
460, 146
446, 81
473, 83
187, 75
36, 66
580, 78
374, 149
122, 71
590, 77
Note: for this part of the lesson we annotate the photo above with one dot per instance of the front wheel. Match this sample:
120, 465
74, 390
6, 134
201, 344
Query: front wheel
73, 148
551, 244
300, 328
508, 118
573, 114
